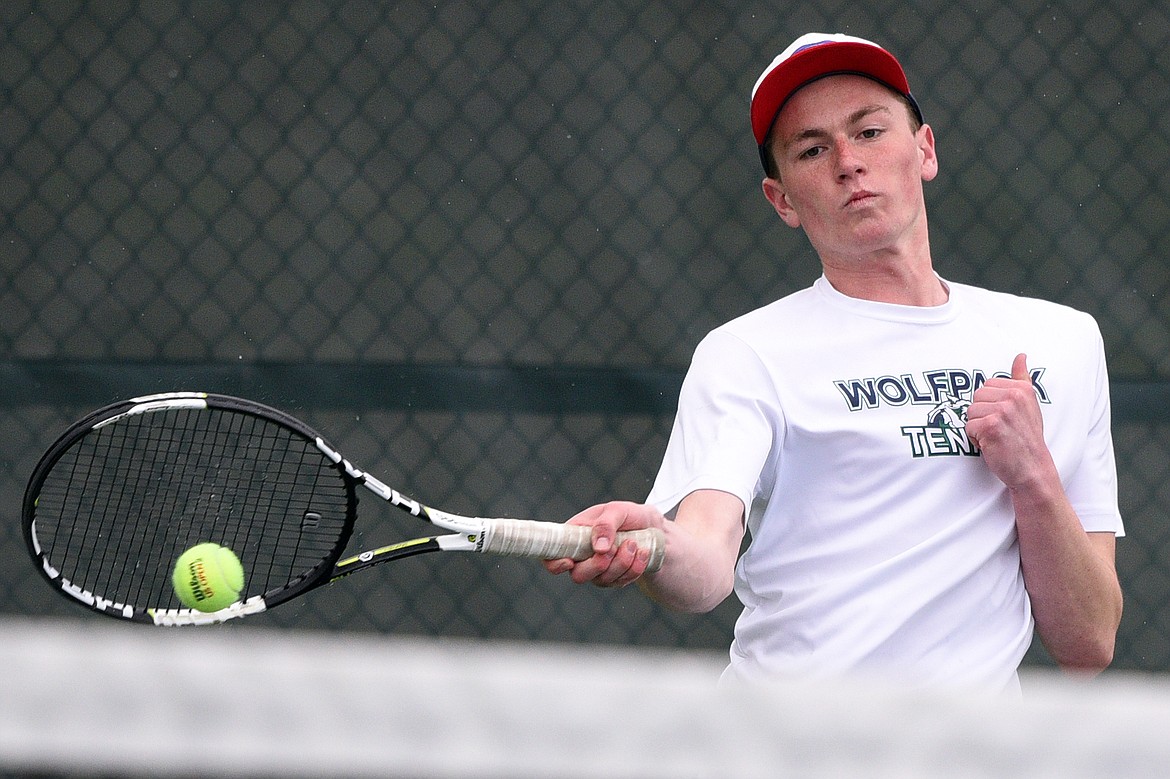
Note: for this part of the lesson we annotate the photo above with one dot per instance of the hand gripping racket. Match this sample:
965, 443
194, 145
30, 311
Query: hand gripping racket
123, 492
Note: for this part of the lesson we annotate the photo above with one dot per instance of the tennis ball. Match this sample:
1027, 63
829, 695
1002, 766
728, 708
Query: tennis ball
208, 577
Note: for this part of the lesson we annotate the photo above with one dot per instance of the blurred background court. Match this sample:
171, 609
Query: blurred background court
474, 243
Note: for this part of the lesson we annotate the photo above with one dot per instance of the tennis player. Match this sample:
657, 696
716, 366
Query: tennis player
925, 468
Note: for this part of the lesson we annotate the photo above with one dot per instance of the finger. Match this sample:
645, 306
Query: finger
609, 518
638, 567
603, 538
557, 567
594, 569
590, 570
1020, 368
602, 532
623, 568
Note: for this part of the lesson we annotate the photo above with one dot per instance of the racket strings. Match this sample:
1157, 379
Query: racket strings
79, 510
286, 495
303, 480
126, 499
67, 498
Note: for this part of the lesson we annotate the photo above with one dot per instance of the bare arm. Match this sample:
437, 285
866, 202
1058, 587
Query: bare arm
702, 545
1071, 575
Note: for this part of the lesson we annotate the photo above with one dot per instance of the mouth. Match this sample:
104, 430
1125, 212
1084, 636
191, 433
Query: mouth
860, 198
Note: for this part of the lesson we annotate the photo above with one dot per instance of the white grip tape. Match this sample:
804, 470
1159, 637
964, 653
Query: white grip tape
552, 540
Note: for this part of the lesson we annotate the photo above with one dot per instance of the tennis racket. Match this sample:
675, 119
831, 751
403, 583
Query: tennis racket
123, 492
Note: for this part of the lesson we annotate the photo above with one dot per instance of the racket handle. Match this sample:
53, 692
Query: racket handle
552, 540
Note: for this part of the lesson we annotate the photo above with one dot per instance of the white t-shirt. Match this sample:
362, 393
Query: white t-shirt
880, 541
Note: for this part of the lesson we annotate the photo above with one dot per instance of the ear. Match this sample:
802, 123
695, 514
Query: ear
927, 152
778, 197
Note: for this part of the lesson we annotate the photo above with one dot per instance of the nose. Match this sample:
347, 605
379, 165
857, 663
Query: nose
849, 160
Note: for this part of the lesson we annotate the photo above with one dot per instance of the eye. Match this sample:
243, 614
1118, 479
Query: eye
870, 133
812, 152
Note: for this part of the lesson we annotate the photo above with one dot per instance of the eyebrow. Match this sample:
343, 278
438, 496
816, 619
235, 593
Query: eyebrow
816, 132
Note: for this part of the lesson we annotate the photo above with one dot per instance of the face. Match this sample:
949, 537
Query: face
851, 168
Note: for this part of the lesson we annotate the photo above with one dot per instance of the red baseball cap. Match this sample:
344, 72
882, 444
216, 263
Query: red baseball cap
815, 55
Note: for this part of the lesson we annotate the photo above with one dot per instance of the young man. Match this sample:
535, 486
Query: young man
926, 468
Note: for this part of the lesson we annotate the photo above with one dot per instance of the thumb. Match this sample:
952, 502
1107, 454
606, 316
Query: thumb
602, 538
1020, 368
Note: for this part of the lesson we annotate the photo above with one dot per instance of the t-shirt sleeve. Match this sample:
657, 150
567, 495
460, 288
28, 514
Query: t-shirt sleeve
1092, 488
728, 423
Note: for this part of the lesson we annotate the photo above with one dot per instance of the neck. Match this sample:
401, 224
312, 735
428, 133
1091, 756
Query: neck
886, 286
906, 279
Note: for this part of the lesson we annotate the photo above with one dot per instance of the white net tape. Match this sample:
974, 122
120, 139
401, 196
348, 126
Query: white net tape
93, 699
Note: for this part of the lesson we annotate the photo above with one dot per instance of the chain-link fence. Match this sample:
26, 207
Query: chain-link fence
476, 242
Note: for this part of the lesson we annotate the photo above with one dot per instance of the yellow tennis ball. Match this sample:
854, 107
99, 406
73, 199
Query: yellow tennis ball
208, 577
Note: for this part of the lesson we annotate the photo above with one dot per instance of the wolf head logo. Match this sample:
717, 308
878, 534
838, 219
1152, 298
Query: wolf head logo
950, 414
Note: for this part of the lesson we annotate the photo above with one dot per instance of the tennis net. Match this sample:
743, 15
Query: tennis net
86, 698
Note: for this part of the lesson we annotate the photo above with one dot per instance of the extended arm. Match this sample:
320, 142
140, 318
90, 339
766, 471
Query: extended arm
702, 545
1070, 574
